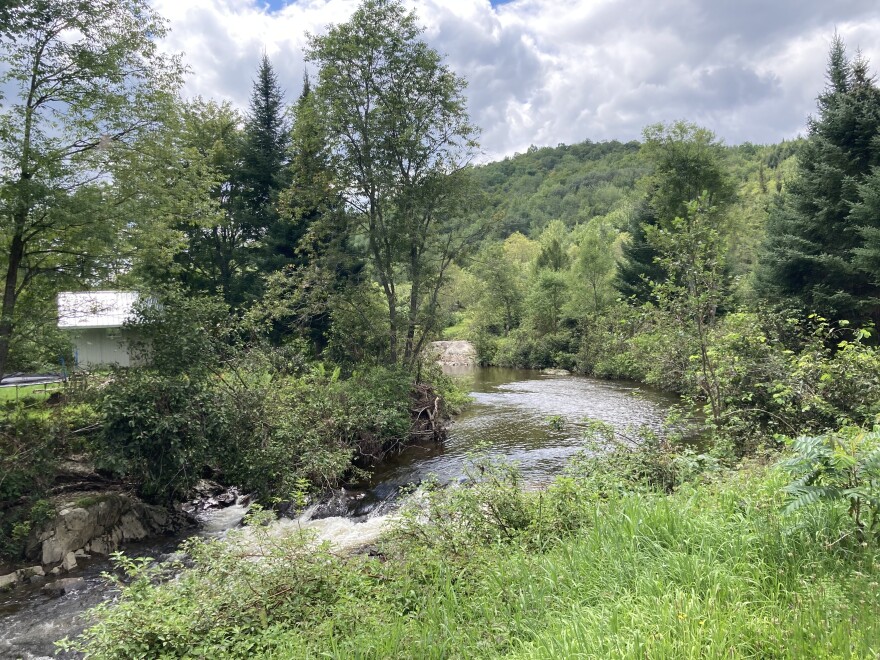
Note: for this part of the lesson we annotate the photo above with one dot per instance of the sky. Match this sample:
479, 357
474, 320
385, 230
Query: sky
545, 72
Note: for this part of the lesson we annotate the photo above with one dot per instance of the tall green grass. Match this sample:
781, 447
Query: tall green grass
712, 571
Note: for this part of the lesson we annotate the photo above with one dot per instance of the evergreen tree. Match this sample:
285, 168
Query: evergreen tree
817, 255
264, 154
865, 215
308, 249
309, 195
638, 266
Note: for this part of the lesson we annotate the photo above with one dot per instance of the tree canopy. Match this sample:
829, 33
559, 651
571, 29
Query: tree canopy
83, 77
821, 236
397, 124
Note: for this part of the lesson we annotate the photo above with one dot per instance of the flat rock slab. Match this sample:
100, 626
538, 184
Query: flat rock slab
457, 353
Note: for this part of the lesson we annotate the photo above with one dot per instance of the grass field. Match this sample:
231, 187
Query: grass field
19, 392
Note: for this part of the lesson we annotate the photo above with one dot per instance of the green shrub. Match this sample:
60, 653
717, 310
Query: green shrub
627, 461
311, 427
842, 466
524, 350
238, 599
160, 429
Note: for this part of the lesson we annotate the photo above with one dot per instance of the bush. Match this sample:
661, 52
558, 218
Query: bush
616, 461
842, 466
237, 599
159, 429
312, 427
523, 350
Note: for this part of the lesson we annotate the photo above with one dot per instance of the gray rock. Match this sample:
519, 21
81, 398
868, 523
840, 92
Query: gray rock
31, 571
174, 558
69, 562
60, 587
55, 571
98, 523
454, 353
81, 554
8, 581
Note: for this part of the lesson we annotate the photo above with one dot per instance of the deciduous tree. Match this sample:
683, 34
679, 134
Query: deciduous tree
687, 162
401, 139
80, 76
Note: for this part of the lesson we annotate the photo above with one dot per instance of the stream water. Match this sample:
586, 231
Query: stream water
509, 417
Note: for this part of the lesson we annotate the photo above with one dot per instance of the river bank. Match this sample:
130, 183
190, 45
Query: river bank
508, 417
596, 563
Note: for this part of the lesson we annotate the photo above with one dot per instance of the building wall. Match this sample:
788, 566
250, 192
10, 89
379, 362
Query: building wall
101, 346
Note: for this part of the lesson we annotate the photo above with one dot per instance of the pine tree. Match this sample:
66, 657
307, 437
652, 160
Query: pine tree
815, 256
264, 154
866, 217
638, 266
308, 249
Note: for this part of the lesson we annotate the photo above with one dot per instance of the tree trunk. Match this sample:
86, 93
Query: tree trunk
392, 328
412, 318
10, 295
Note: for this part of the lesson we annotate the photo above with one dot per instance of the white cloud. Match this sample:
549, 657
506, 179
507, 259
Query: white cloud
543, 72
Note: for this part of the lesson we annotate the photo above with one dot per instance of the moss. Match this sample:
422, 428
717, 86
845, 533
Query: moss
88, 501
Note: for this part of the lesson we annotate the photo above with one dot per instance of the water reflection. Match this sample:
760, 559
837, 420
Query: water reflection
510, 417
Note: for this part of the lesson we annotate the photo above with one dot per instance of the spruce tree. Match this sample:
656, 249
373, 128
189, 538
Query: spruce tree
818, 252
638, 267
264, 154
308, 196
308, 248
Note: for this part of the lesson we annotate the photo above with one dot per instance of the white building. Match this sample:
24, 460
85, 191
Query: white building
95, 320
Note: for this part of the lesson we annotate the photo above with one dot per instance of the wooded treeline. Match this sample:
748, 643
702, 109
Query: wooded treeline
353, 216
743, 277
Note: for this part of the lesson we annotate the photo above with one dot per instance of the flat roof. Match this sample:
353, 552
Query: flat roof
95, 309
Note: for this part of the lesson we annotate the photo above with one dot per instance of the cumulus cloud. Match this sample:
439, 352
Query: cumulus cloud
543, 72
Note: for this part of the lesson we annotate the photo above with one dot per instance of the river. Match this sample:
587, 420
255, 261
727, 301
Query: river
510, 417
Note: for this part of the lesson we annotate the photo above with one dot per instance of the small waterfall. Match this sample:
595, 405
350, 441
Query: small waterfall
341, 532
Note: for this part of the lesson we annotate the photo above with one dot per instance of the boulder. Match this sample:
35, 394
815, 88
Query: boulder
31, 572
97, 523
8, 581
556, 372
69, 562
455, 353
60, 587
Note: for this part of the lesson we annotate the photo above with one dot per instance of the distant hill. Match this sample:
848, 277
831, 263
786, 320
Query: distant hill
574, 183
